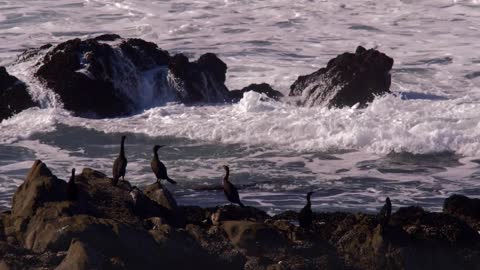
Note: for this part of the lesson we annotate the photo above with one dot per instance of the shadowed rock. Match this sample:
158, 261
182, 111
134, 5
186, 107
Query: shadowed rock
14, 96
348, 79
262, 88
465, 208
120, 227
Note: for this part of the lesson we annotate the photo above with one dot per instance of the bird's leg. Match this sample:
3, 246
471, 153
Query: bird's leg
123, 178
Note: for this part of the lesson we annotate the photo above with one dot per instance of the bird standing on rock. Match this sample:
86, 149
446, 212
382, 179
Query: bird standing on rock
306, 215
158, 167
72, 192
385, 213
120, 164
229, 189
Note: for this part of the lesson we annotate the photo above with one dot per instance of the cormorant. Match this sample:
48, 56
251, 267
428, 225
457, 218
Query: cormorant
229, 189
72, 192
158, 168
306, 215
120, 164
385, 213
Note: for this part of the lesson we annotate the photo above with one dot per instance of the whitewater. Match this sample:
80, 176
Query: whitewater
417, 146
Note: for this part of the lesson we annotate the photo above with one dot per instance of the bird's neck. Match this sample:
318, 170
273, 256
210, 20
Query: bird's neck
155, 154
122, 148
227, 174
309, 204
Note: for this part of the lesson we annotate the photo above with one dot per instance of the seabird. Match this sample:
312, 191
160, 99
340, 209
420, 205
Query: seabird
120, 164
158, 167
229, 189
306, 215
72, 192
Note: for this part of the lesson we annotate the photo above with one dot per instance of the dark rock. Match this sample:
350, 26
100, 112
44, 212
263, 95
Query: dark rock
81, 257
232, 212
81, 73
144, 55
160, 194
348, 79
119, 227
200, 81
211, 63
108, 76
465, 208
262, 88
107, 37
254, 237
14, 96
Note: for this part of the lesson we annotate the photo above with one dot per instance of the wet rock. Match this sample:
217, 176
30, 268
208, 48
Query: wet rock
14, 96
262, 88
233, 212
108, 76
465, 208
348, 79
199, 81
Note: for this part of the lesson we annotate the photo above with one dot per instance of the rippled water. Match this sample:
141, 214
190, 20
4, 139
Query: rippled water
416, 147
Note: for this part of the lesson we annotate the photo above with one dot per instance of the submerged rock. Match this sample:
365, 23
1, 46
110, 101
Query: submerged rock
108, 76
262, 88
14, 96
348, 79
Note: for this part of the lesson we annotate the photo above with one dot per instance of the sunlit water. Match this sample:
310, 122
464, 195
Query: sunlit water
417, 147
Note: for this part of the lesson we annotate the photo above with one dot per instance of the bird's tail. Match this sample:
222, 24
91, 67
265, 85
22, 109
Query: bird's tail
171, 181
241, 204
115, 181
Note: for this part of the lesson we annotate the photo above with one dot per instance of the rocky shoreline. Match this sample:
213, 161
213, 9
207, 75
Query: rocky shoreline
123, 227
108, 76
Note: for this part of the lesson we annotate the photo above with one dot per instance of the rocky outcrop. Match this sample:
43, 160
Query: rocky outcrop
262, 88
348, 79
14, 96
123, 227
108, 76
465, 208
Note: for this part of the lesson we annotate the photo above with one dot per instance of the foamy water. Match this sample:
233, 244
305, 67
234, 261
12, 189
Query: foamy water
277, 151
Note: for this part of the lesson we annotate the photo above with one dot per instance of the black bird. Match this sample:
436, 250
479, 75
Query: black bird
72, 192
306, 215
229, 189
120, 164
385, 213
158, 167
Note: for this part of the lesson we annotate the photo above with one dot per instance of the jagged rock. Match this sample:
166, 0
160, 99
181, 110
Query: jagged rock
200, 81
119, 227
160, 194
232, 212
465, 208
81, 257
262, 88
14, 96
348, 79
108, 76
39, 187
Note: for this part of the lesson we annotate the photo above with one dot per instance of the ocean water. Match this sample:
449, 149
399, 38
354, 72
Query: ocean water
418, 146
